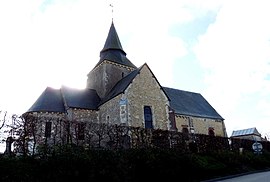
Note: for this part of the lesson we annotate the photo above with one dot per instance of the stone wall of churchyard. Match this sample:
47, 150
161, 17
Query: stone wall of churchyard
145, 91
200, 125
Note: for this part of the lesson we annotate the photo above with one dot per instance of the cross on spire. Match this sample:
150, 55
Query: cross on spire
111, 5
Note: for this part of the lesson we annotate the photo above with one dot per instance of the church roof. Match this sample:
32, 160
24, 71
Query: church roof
112, 41
190, 103
80, 98
49, 101
113, 50
52, 100
120, 86
183, 102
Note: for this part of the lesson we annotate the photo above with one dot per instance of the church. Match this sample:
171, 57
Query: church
119, 93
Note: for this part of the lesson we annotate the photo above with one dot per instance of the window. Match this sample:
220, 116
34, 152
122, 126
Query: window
148, 117
185, 132
81, 129
48, 129
211, 131
172, 119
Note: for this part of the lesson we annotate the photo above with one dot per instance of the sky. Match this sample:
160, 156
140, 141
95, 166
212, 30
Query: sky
218, 48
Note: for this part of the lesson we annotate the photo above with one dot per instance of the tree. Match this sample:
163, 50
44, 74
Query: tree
24, 131
3, 119
3, 124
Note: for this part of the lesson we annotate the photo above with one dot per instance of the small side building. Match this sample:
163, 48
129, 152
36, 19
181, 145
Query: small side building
249, 134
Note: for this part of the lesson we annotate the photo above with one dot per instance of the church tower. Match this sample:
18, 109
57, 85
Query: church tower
112, 66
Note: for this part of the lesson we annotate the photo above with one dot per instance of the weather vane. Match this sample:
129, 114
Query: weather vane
111, 5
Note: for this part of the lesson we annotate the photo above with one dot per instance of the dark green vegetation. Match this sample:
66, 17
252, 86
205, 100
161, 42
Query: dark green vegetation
75, 164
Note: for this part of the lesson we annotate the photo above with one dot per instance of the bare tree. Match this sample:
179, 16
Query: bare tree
100, 131
4, 137
3, 119
23, 130
20, 131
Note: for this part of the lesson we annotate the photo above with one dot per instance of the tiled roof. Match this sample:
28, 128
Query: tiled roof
190, 103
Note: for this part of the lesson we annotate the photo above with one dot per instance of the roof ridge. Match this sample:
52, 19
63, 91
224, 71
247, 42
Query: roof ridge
181, 90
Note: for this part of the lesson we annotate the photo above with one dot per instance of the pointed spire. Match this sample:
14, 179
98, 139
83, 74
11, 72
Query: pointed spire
113, 50
112, 41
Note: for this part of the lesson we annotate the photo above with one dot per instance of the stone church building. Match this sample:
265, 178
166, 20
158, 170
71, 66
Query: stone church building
118, 92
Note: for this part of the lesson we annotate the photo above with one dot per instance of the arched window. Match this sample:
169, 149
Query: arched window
185, 132
148, 117
211, 131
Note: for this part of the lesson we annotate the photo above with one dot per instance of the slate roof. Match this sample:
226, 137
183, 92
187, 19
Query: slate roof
49, 101
190, 103
113, 50
113, 41
52, 100
183, 102
120, 86
248, 131
80, 98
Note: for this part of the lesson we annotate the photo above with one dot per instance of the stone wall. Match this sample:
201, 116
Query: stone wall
57, 127
200, 125
145, 91
60, 122
109, 112
105, 76
83, 115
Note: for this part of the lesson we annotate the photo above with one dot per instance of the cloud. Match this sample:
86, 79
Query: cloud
56, 42
50, 43
148, 35
236, 50
46, 45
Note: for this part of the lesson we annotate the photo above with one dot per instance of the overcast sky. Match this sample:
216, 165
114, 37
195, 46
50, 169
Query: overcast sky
220, 49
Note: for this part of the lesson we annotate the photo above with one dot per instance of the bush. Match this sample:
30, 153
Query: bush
132, 165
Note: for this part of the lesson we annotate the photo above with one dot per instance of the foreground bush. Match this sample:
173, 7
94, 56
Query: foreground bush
74, 164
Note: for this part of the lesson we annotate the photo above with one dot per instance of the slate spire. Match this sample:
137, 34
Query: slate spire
112, 41
113, 50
